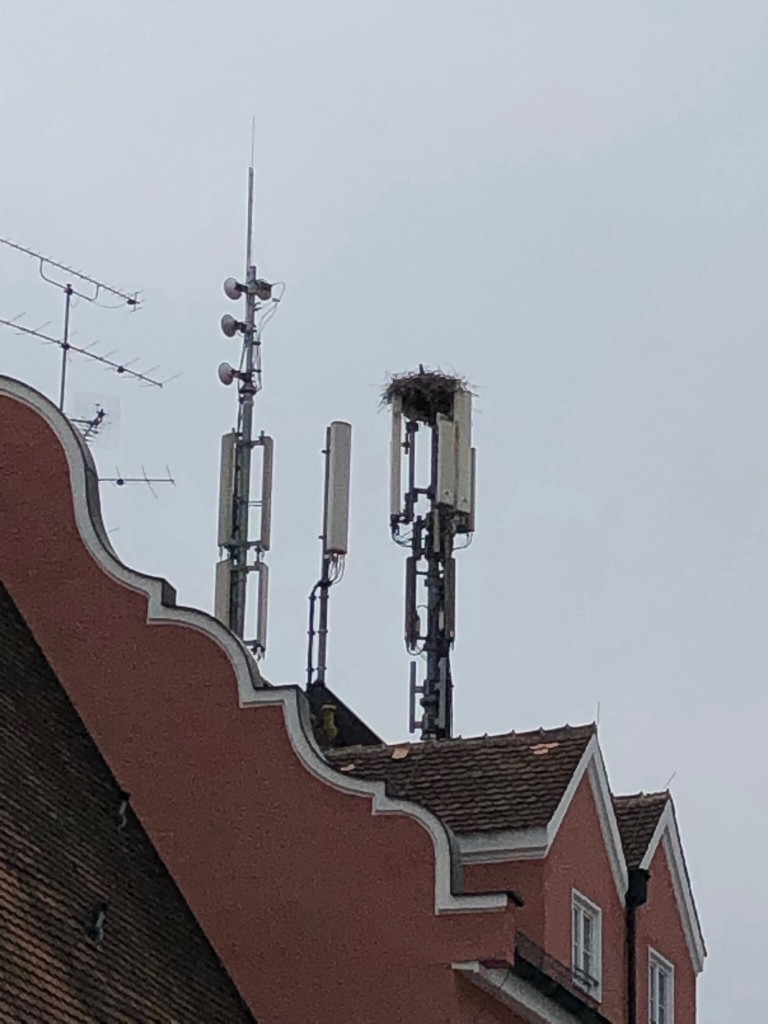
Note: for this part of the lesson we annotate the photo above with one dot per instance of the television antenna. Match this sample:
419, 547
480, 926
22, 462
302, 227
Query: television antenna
241, 553
127, 369
120, 481
428, 519
93, 290
90, 427
84, 287
334, 538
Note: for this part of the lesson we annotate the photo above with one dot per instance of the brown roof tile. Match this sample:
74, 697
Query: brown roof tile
479, 784
637, 817
63, 855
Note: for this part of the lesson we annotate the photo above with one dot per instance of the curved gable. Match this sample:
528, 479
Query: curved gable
260, 833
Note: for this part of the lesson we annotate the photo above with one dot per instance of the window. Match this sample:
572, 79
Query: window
586, 927
661, 990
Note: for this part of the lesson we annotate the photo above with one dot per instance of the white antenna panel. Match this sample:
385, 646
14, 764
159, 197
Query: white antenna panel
446, 461
226, 487
268, 454
221, 598
396, 458
462, 418
454, 455
336, 521
262, 604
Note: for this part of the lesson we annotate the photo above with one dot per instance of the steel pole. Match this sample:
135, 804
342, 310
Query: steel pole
244, 445
65, 345
322, 631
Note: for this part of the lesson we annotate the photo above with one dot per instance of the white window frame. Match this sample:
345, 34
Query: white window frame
656, 960
585, 907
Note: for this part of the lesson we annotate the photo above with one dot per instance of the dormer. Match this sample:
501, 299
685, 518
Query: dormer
533, 814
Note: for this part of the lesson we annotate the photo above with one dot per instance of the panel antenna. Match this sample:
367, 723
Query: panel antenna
335, 541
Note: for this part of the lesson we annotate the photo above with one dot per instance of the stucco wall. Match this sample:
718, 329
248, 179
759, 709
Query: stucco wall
318, 907
476, 1007
524, 877
659, 927
579, 860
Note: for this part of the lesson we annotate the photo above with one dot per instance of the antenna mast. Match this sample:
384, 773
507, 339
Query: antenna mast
242, 554
442, 405
85, 287
337, 451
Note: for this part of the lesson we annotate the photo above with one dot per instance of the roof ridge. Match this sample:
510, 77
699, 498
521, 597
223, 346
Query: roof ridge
642, 796
575, 731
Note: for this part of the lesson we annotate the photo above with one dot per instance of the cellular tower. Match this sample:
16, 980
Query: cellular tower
243, 543
432, 507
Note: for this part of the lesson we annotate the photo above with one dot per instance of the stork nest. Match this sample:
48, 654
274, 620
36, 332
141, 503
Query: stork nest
424, 393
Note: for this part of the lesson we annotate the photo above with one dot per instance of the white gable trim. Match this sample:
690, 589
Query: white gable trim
668, 834
503, 845
535, 843
296, 712
516, 993
251, 687
609, 826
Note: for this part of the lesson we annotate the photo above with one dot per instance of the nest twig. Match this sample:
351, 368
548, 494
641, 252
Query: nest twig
424, 393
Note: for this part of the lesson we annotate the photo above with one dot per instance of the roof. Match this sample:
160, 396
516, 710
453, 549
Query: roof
350, 728
72, 849
483, 783
637, 816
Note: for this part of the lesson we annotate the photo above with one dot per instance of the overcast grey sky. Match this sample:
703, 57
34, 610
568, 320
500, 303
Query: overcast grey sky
565, 202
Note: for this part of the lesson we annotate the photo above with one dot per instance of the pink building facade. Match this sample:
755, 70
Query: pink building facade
344, 883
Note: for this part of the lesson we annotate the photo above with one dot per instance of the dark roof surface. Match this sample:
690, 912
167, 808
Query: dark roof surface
480, 784
351, 730
637, 817
63, 856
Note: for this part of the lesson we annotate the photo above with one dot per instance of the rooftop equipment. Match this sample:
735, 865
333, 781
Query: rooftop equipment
334, 538
241, 547
432, 504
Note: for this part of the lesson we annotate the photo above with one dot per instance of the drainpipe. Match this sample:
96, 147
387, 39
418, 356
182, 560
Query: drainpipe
637, 894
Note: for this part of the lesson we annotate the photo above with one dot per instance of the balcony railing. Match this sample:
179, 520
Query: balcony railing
573, 989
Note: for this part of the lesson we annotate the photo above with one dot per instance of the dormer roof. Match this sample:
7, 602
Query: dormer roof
481, 783
638, 815
506, 796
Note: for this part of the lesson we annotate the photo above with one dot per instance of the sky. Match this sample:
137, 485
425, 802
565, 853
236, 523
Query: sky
565, 203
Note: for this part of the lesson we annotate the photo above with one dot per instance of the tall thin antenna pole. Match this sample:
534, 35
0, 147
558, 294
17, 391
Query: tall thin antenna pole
244, 446
249, 230
65, 345
242, 554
